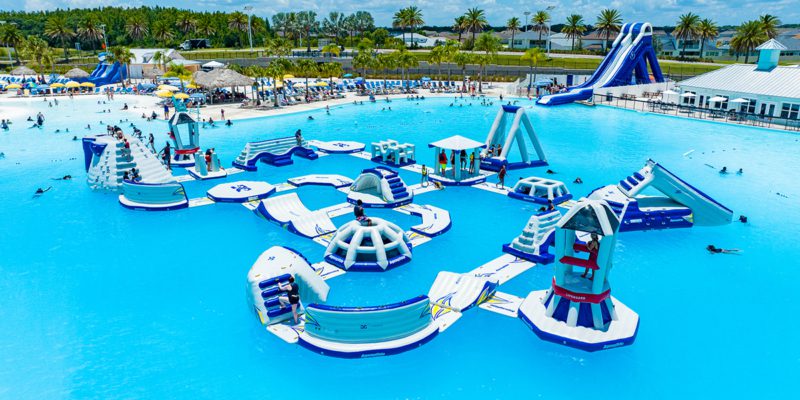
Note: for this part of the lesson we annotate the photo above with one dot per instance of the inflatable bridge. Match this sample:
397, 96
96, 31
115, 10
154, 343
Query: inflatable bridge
625, 64
277, 152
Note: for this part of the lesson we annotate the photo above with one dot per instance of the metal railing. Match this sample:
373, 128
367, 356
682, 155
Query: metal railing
655, 105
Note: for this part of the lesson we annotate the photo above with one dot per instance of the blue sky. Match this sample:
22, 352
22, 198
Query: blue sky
441, 12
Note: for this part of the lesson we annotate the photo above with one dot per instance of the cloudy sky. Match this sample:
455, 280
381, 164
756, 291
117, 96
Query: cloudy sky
442, 12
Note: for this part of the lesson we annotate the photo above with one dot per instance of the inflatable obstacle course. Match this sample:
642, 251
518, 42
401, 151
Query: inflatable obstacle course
337, 181
379, 187
338, 146
392, 153
499, 142
185, 135
288, 211
540, 191
277, 152
533, 244
240, 191
374, 246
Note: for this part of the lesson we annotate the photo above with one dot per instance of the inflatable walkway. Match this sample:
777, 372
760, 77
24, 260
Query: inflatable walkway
625, 64
379, 187
435, 221
153, 196
682, 205
498, 137
460, 292
288, 211
337, 181
277, 152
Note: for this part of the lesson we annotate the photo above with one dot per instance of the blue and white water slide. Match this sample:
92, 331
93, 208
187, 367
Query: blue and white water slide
625, 64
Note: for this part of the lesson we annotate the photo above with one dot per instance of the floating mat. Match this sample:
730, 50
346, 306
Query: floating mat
336, 181
338, 146
460, 292
327, 270
502, 269
503, 304
435, 221
240, 191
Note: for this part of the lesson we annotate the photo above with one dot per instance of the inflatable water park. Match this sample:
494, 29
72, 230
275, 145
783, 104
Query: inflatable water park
289, 293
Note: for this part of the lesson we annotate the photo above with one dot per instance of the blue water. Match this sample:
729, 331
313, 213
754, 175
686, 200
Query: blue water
97, 301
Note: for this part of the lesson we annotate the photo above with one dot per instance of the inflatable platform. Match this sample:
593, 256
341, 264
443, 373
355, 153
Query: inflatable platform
533, 244
435, 221
277, 152
540, 191
376, 247
681, 206
393, 153
337, 181
153, 196
240, 191
379, 187
338, 146
289, 212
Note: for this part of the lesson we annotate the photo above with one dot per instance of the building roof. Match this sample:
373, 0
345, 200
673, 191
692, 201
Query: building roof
780, 81
457, 143
771, 44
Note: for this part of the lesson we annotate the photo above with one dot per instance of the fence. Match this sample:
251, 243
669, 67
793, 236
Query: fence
732, 116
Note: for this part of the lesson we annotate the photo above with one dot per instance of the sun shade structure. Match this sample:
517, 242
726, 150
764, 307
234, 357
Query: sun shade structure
222, 77
76, 73
457, 143
213, 64
22, 70
457, 147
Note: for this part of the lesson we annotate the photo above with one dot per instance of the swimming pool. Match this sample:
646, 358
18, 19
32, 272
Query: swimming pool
99, 301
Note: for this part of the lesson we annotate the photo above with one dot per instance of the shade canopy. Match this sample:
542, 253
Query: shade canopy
740, 100
14, 86
168, 87
222, 77
688, 94
76, 73
72, 84
57, 85
87, 84
181, 96
22, 70
457, 143
213, 64
164, 93
717, 99
669, 92
592, 216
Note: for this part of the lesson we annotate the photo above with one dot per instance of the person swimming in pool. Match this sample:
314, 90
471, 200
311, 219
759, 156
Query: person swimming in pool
716, 250
41, 191
724, 170
292, 296
64, 178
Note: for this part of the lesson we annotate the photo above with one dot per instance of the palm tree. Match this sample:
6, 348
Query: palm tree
533, 57
769, 23
237, 22
350, 27
540, 20
178, 71
574, 28
686, 29
513, 25
307, 21
460, 25
364, 21
489, 44
607, 23
89, 30
162, 31
136, 27
332, 50
124, 56
475, 20
748, 36
306, 67
333, 25
450, 51
706, 29
56, 28
331, 70
385, 62
186, 22
404, 60
12, 37
463, 59
205, 27
276, 70
277, 47
437, 57
36, 49
400, 20
413, 20
160, 58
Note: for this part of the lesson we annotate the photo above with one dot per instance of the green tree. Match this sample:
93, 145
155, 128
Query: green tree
475, 21
413, 20
400, 21
12, 37
607, 23
686, 30
749, 35
404, 60
186, 22
540, 20
124, 56
162, 31
37, 50
706, 29
205, 27
574, 28
513, 25
278, 47
450, 51
533, 57
437, 57
384, 62
237, 23
307, 21
460, 25
489, 44
462, 59
57, 28
331, 50
276, 69
331, 70
333, 25
136, 27
769, 24
306, 68
90, 31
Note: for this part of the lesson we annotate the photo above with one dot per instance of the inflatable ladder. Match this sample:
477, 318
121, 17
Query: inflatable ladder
537, 236
277, 152
631, 182
270, 293
396, 185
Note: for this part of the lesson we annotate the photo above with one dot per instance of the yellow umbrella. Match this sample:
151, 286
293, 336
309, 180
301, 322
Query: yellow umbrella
14, 86
57, 85
72, 84
321, 84
87, 84
288, 76
164, 93
168, 87
181, 96
192, 86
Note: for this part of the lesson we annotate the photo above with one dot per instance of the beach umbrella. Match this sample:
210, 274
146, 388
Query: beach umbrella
717, 99
426, 79
181, 96
43, 87
347, 75
76, 73
168, 87
72, 84
154, 72
740, 100
213, 64
164, 93
22, 70
688, 94
87, 84
288, 76
14, 86
192, 86
57, 85
669, 92
321, 84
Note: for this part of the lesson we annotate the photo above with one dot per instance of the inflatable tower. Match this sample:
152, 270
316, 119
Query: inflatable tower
578, 310
183, 125
499, 137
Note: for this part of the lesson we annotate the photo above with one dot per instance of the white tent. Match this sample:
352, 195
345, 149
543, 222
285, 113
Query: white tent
213, 64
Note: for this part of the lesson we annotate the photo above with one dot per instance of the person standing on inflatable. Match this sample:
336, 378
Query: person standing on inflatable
292, 296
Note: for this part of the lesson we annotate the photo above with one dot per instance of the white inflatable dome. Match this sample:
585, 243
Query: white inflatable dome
376, 247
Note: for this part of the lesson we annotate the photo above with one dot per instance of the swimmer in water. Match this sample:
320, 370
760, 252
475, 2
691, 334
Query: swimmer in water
724, 170
64, 178
716, 250
41, 191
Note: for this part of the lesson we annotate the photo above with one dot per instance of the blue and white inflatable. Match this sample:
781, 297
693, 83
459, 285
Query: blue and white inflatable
540, 191
379, 246
380, 187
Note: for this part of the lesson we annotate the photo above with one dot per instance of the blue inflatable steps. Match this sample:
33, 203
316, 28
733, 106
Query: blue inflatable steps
270, 293
277, 152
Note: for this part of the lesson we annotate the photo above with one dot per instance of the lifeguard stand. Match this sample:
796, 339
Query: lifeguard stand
578, 309
183, 125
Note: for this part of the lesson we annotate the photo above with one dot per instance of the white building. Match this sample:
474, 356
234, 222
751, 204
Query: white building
766, 89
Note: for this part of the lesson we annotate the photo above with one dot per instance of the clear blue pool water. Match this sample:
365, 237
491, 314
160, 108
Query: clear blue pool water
100, 302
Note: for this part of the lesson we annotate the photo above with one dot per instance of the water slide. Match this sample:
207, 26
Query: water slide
630, 53
498, 136
105, 74
380, 187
